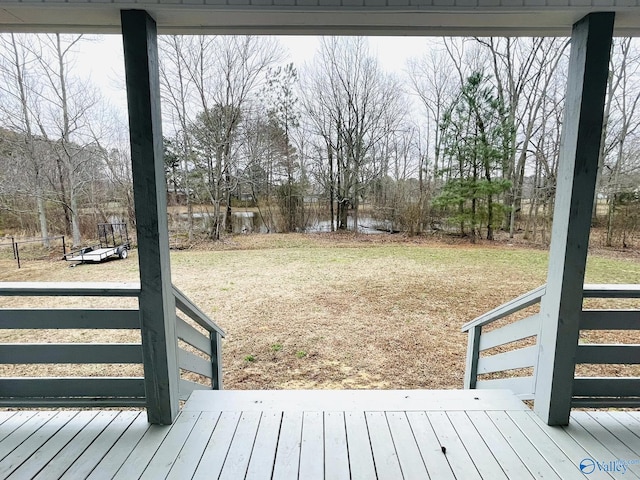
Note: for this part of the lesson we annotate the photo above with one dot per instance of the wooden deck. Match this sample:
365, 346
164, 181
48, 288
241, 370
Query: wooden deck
322, 434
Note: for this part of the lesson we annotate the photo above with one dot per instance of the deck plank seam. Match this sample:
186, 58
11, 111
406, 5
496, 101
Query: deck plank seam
140, 440
555, 466
617, 449
561, 432
466, 453
246, 424
208, 439
482, 417
118, 445
578, 432
88, 446
6, 417
373, 458
18, 424
346, 437
524, 461
275, 451
475, 427
635, 421
422, 452
598, 417
183, 443
464, 444
106, 452
25, 425
222, 419
34, 435
226, 456
44, 466
181, 429
393, 442
253, 444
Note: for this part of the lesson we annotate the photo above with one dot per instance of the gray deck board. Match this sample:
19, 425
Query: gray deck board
264, 448
459, 459
435, 460
555, 457
533, 460
411, 462
19, 432
33, 442
288, 451
312, 448
65, 447
107, 465
12, 424
167, 453
628, 421
508, 460
57, 447
385, 456
217, 448
360, 454
352, 400
237, 461
336, 453
618, 430
193, 448
587, 441
4, 416
90, 446
142, 453
353, 443
560, 437
483, 458
616, 446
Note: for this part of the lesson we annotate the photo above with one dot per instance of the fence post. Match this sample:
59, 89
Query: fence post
473, 354
216, 360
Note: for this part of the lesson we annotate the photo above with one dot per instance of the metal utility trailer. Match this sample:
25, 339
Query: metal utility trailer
114, 242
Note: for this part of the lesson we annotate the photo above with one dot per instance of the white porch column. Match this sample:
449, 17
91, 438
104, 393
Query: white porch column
577, 168
157, 303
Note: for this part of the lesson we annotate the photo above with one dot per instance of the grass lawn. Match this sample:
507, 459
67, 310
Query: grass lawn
329, 311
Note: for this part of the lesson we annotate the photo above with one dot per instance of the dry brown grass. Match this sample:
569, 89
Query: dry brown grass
328, 311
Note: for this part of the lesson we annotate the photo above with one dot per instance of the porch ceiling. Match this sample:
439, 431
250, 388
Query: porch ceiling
371, 17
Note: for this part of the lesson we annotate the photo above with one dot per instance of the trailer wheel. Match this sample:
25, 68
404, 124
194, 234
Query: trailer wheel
123, 253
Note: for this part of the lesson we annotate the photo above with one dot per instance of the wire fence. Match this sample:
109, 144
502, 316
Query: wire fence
35, 248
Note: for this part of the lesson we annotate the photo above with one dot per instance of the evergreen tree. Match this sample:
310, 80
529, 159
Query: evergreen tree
475, 134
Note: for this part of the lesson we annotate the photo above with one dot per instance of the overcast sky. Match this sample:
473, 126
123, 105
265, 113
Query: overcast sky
102, 58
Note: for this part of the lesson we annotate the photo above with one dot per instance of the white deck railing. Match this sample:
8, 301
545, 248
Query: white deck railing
587, 391
200, 353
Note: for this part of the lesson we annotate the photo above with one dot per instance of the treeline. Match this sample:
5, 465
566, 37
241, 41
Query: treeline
61, 170
466, 140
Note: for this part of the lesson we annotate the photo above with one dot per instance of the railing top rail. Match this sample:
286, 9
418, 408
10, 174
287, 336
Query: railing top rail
523, 301
69, 289
621, 290
189, 308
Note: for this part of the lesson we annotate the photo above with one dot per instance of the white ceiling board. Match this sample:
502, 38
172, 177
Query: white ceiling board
103, 16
